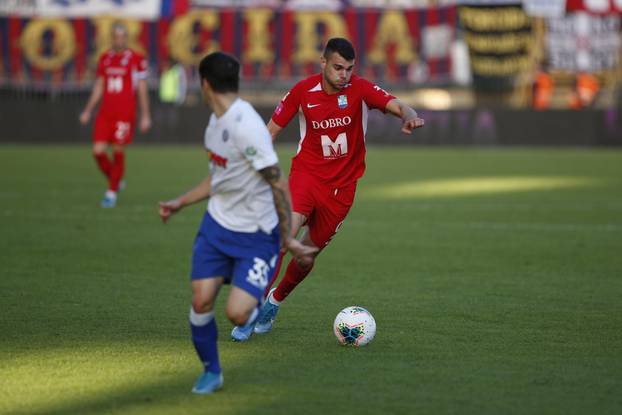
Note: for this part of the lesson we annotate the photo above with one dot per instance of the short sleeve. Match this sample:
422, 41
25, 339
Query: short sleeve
288, 107
374, 96
254, 141
140, 66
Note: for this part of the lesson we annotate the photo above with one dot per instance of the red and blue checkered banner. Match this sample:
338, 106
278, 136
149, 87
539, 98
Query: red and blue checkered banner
273, 45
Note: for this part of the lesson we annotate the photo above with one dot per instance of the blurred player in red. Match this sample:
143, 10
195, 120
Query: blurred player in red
120, 73
332, 108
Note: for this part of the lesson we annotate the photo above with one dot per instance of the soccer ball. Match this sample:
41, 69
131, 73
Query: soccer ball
354, 326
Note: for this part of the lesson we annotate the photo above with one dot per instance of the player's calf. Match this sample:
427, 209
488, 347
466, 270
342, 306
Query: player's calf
305, 263
204, 337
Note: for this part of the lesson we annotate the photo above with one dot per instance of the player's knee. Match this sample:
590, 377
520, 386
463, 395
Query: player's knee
237, 316
305, 263
202, 305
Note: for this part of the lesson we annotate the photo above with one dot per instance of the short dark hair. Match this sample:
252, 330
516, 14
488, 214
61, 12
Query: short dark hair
119, 25
341, 46
221, 71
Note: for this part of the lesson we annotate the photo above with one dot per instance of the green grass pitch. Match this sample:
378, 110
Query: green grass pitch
494, 275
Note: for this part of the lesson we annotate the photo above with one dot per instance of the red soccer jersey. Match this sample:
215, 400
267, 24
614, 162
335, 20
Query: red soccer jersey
121, 72
332, 127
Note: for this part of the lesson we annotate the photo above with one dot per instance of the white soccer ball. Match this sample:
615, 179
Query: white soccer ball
354, 326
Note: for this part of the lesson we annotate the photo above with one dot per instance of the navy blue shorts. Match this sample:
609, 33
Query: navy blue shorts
246, 260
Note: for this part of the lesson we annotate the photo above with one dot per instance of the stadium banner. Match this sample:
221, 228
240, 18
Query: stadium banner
582, 42
394, 46
545, 8
18, 7
137, 9
325, 4
499, 38
598, 7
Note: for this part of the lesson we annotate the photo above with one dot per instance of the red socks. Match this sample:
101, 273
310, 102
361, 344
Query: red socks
116, 171
277, 271
293, 277
113, 170
104, 163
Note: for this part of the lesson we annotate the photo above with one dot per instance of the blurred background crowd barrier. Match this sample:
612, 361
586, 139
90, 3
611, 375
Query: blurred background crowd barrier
481, 71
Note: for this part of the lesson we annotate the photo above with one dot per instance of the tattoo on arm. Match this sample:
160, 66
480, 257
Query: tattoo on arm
272, 175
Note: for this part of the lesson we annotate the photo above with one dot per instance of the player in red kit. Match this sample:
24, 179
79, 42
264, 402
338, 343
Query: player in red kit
332, 108
121, 72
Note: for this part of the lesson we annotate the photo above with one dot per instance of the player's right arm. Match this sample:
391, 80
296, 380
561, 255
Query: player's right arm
96, 94
274, 129
285, 111
194, 195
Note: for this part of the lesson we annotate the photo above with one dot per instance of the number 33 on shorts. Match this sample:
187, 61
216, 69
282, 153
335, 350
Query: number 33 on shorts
259, 273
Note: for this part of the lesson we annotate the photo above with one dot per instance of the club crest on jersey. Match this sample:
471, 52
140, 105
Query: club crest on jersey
342, 101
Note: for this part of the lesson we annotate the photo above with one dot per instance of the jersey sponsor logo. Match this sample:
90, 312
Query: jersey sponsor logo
258, 274
313, 105
334, 149
115, 71
331, 123
217, 160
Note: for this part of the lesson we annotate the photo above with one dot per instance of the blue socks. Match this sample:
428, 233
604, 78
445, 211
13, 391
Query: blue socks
204, 337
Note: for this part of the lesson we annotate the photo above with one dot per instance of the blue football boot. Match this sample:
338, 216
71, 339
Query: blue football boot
242, 333
207, 383
110, 200
266, 316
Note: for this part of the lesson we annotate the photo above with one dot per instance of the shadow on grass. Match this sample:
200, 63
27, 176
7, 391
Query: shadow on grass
169, 395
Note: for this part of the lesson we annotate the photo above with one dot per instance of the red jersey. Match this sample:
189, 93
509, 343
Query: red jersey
332, 127
121, 72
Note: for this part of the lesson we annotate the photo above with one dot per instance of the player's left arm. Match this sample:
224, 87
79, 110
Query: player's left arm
141, 72
410, 118
282, 203
143, 102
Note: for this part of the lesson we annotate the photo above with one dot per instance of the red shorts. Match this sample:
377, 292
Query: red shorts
113, 129
325, 207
